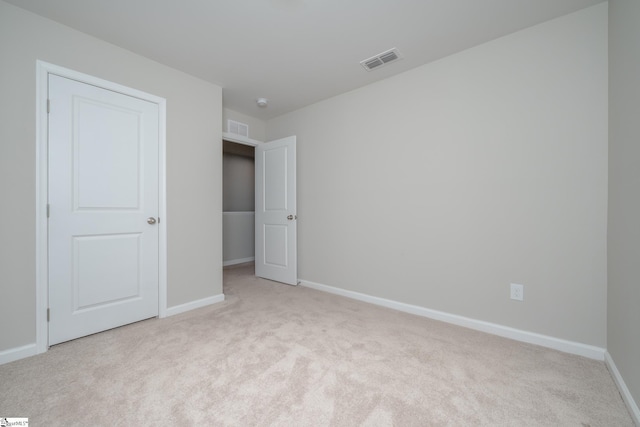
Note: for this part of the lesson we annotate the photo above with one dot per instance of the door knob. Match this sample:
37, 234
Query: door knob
151, 220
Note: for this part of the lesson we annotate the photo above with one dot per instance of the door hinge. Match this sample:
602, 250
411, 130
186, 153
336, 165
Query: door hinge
48, 106
158, 220
48, 210
48, 314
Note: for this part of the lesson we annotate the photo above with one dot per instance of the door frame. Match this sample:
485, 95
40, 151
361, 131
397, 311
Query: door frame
43, 69
239, 139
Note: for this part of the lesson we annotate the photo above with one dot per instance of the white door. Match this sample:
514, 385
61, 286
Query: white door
103, 199
276, 227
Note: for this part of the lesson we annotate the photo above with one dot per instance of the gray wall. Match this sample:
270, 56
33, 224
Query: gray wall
238, 221
440, 186
238, 237
238, 183
623, 297
194, 161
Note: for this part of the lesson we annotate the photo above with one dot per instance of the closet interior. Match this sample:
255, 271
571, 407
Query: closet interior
238, 203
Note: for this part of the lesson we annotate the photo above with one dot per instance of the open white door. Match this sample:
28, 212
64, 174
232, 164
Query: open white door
104, 201
276, 227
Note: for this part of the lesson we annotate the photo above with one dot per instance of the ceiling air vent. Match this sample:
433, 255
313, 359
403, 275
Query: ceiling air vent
381, 59
237, 128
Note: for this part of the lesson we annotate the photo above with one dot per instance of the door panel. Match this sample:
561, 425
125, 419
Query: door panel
107, 167
103, 185
95, 282
275, 179
275, 253
276, 226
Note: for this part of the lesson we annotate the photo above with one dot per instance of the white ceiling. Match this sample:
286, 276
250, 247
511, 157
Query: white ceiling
295, 52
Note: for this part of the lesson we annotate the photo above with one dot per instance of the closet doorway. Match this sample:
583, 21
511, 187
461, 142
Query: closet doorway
238, 203
261, 175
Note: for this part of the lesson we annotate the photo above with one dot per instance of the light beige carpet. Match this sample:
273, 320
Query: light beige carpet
279, 355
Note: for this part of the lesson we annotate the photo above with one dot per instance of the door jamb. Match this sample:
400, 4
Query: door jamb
43, 69
239, 139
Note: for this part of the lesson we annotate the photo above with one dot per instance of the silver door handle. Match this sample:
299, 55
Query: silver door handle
151, 220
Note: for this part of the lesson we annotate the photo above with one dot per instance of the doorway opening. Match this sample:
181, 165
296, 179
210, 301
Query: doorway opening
238, 203
274, 209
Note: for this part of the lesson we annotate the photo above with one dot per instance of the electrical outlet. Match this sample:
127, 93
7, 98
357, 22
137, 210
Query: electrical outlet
517, 292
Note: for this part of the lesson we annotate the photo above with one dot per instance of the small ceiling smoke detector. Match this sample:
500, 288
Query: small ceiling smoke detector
381, 59
262, 102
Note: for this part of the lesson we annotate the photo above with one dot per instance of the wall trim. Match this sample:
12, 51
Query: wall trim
43, 69
632, 406
239, 139
192, 305
579, 349
13, 354
238, 261
17, 353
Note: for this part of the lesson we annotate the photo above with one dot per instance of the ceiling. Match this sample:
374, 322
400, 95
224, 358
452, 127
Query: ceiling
295, 52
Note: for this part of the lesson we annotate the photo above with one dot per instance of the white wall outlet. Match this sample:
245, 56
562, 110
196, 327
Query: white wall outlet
517, 292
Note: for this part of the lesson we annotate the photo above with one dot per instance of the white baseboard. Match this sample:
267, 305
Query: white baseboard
580, 349
624, 391
177, 309
238, 261
17, 353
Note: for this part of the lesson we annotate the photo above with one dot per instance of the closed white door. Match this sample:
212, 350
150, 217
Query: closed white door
276, 226
103, 200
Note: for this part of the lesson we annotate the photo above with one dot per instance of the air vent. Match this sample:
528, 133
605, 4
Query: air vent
381, 59
238, 128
